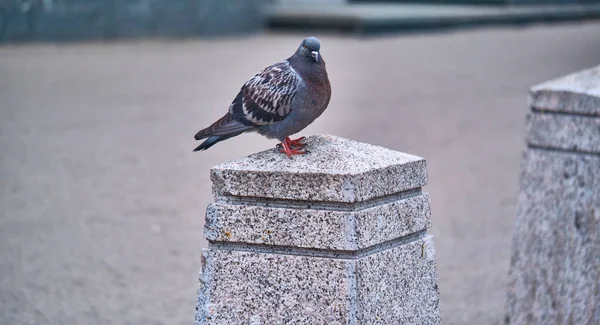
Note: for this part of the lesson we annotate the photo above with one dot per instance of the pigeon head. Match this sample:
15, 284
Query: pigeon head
309, 49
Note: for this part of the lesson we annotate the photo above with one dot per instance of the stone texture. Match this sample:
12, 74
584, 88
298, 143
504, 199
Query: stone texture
567, 132
259, 288
555, 267
336, 236
317, 228
577, 93
398, 286
335, 170
395, 286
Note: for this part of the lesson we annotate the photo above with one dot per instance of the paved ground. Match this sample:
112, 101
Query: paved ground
102, 199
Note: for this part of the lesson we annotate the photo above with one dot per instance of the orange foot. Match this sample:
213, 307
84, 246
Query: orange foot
296, 143
290, 151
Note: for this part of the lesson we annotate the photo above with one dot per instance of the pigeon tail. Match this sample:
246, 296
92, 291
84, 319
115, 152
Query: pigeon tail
223, 129
211, 141
226, 126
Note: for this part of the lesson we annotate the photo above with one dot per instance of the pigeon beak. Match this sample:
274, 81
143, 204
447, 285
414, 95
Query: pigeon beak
315, 55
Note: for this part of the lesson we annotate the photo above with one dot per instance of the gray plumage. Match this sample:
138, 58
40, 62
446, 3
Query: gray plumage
277, 102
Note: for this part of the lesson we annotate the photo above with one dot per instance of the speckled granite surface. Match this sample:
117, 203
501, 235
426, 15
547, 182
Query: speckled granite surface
318, 228
577, 93
555, 266
567, 132
336, 170
337, 236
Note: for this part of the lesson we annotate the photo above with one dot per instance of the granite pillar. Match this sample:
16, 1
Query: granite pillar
555, 266
337, 236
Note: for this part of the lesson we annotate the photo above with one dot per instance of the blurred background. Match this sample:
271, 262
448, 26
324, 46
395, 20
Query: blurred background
102, 199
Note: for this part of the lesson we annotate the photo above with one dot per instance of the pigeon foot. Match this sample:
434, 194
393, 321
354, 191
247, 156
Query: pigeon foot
296, 143
289, 151
293, 143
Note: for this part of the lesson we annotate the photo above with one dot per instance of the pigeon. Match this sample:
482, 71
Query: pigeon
279, 101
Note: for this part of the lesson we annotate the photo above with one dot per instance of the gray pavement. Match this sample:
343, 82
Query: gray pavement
102, 199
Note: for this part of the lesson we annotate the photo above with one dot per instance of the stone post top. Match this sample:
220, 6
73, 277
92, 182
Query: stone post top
576, 93
334, 170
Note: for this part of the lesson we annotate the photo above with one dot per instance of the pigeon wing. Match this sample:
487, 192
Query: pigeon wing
266, 98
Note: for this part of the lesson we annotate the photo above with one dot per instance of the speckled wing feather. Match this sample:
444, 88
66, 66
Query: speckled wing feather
266, 98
